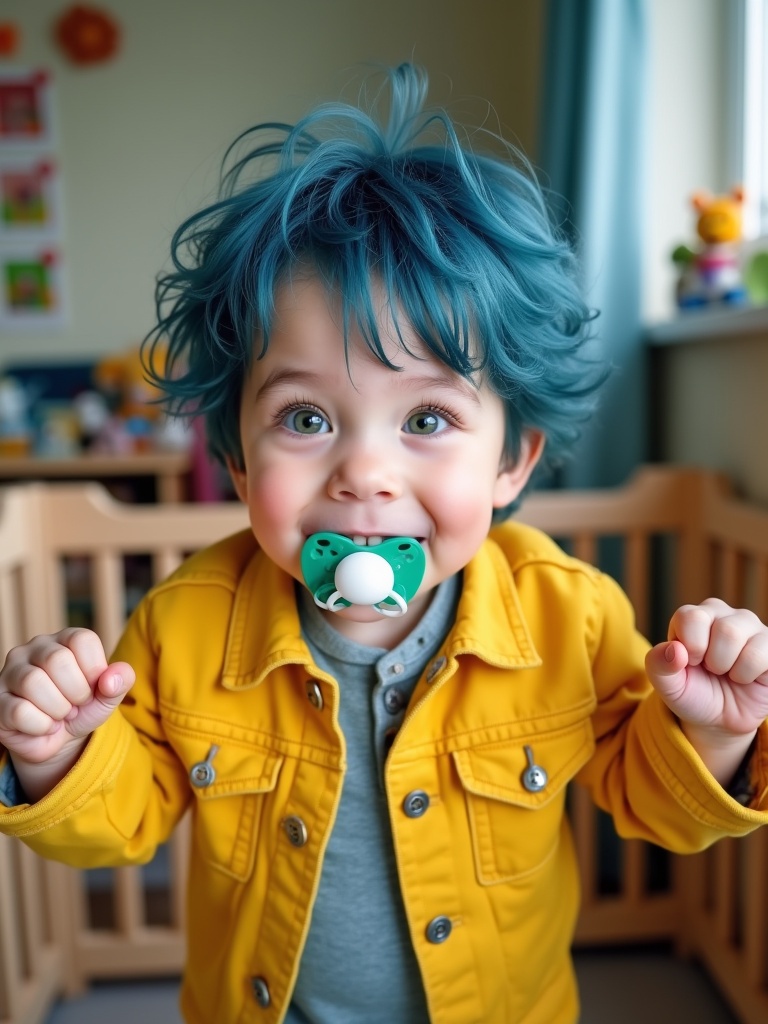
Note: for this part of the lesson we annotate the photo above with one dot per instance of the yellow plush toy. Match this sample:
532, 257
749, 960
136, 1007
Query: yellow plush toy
712, 272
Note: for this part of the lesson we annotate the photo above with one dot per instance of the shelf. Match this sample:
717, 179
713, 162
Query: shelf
169, 469
709, 325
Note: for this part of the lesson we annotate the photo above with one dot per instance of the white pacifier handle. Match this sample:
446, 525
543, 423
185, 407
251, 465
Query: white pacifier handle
331, 605
365, 578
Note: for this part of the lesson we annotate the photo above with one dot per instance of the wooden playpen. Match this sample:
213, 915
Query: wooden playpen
670, 535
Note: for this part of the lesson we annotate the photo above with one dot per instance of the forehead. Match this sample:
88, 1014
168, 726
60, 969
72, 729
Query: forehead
308, 324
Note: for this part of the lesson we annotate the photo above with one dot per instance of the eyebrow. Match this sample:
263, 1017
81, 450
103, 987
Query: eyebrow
419, 382
279, 377
451, 382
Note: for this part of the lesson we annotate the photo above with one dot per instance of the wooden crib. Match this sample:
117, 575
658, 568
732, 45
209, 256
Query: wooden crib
671, 535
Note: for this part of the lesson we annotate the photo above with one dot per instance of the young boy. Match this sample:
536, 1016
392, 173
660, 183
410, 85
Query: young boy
386, 339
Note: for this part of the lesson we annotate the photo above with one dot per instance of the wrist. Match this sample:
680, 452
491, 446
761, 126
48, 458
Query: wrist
721, 751
38, 778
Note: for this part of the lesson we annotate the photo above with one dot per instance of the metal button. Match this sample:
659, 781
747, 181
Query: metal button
296, 830
202, 774
314, 694
534, 777
438, 930
394, 700
435, 667
416, 803
397, 669
261, 992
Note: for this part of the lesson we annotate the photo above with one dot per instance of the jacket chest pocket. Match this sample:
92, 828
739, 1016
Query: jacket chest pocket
230, 782
515, 796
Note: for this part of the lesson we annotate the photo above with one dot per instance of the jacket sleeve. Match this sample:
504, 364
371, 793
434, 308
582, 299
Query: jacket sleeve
644, 771
127, 790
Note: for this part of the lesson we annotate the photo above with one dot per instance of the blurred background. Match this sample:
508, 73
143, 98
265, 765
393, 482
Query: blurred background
641, 118
627, 108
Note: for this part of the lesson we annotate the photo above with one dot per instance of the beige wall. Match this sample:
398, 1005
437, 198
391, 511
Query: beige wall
687, 141
140, 137
715, 411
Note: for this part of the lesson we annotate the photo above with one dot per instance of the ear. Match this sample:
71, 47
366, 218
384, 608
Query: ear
239, 479
513, 477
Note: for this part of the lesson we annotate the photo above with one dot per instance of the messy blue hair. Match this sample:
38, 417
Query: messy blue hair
461, 242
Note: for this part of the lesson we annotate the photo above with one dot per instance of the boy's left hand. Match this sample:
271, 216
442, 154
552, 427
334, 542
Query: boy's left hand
712, 673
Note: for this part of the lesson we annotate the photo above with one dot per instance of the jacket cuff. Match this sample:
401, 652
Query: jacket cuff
103, 754
683, 772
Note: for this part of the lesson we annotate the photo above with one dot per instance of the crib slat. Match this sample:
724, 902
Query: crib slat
755, 901
636, 556
179, 849
32, 908
129, 904
633, 871
725, 890
759, 603
165, 561
585, 547
10, 632
108, 597
10, 953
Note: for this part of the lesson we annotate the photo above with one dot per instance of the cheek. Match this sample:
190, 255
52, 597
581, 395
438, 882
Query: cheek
273, 495
462, 504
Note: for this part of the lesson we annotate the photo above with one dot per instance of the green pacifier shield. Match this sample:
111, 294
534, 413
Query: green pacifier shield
322, 553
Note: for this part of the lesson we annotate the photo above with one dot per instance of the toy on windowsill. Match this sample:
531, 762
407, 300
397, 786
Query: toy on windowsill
712, 273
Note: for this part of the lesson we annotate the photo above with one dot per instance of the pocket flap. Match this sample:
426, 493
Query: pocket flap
497, 770
233, 767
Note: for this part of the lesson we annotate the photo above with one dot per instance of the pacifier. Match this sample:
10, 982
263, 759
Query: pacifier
340, 573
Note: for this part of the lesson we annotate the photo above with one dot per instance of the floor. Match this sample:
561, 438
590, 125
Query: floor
630, 987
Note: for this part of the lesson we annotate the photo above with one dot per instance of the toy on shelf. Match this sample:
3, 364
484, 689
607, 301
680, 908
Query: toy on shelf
15, 425
712, 273
135, 421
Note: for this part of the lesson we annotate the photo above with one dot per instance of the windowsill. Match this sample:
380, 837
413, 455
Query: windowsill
709, 325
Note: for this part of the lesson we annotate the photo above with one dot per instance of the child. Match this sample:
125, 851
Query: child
386, 339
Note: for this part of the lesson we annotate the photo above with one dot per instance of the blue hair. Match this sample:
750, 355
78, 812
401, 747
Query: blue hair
462, 244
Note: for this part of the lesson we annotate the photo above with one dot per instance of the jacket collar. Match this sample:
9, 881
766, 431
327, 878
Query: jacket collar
264, 630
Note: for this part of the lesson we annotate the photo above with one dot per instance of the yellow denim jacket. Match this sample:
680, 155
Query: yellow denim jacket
542, 664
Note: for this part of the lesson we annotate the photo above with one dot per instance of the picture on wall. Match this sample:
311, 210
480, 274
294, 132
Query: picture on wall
25, 109
30, 288
28, 197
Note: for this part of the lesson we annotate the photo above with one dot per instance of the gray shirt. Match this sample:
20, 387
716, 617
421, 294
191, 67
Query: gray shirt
358, 962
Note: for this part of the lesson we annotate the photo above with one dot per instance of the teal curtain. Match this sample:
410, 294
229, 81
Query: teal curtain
592, 157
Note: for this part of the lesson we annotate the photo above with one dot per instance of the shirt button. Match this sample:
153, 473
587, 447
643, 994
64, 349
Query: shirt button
261, 992
438, 930
296, 830
435, 667
394, 700
416, 803
314, 694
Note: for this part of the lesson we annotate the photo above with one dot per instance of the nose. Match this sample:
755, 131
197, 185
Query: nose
362, 474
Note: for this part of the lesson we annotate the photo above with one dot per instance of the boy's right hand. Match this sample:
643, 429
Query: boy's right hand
54, 691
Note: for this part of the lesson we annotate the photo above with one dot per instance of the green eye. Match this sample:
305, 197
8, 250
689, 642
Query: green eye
307, 421
423, 423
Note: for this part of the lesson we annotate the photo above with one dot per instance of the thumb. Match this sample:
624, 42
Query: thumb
113, 684
666, 665
110, 689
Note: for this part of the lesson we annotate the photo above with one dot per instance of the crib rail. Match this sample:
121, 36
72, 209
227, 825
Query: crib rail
671, 535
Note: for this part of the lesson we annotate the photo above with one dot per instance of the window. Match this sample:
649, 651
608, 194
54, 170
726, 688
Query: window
748, 109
